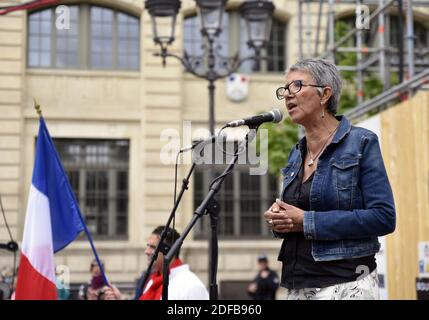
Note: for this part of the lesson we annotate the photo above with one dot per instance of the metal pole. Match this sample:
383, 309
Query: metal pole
211, 77
331, 20
382, 47
359, 60
300, 53
211, 88
213, 239
387, 96
319, 18
308, 28
410, 39
400, 40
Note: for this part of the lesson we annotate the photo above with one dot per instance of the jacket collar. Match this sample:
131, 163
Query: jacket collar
343, 129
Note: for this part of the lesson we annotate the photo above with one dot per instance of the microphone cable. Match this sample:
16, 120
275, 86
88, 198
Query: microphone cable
238, 152
175, 190
221, 146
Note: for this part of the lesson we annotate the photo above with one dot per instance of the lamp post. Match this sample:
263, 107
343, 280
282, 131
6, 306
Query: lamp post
257, 14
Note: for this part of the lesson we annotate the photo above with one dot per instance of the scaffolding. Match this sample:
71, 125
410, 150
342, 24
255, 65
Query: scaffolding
381, 58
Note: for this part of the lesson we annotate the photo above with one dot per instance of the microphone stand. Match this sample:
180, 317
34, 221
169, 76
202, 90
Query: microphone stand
208, 205
163, 247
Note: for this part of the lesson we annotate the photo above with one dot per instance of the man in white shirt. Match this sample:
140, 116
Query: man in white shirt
183, 283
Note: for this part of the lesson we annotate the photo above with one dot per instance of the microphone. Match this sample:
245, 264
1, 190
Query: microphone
274, 115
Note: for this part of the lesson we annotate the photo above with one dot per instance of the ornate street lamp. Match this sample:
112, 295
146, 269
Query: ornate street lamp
163, 14
211, 12
257, 13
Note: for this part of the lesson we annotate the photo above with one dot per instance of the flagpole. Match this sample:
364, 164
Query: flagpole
93, 250
39, 112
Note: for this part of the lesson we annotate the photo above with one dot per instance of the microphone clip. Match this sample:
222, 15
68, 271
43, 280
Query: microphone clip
10, 246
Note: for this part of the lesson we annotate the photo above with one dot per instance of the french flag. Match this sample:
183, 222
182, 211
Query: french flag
53, 220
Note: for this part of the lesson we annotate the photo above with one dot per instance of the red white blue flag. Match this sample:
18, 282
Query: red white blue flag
53, 220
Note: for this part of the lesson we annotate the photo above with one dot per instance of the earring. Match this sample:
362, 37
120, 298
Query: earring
323, 110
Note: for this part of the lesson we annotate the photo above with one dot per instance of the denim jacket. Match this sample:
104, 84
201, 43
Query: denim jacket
351, 201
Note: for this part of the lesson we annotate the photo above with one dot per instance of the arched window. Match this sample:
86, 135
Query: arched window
234, 39
96, 38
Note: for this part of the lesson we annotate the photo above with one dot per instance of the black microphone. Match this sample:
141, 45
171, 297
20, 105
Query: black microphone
274, 115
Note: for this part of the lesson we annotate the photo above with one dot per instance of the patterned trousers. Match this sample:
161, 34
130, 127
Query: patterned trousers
365, 288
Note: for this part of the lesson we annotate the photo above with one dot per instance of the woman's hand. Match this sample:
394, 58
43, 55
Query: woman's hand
277, 219
294, 213
283, 217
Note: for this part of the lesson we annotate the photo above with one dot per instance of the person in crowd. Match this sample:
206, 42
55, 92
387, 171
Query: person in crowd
63, 290
93, 290
183, 283
266, 282
336, 197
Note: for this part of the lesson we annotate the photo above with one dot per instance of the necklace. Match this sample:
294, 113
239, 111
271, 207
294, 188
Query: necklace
314, 158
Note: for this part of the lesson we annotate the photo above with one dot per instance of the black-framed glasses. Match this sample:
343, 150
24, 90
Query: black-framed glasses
293, 87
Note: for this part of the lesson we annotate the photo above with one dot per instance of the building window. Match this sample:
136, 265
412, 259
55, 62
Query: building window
243, 198
98, 173
234, 39
98, 38
67, 43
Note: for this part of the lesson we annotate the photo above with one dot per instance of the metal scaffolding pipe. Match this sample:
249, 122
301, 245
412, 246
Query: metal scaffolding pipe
308, 29
353, 31
400, 40
359, 57
381, 44
319, 18
355, 49
375, 69
410, 38
300, 53
331, 21
386, 96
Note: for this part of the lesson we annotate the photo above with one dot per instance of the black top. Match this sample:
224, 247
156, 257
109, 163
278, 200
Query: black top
300, 270
266, 286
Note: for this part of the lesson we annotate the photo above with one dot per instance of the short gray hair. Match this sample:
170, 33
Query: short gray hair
325, 73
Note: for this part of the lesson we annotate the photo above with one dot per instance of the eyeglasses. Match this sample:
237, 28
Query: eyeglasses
293, 87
